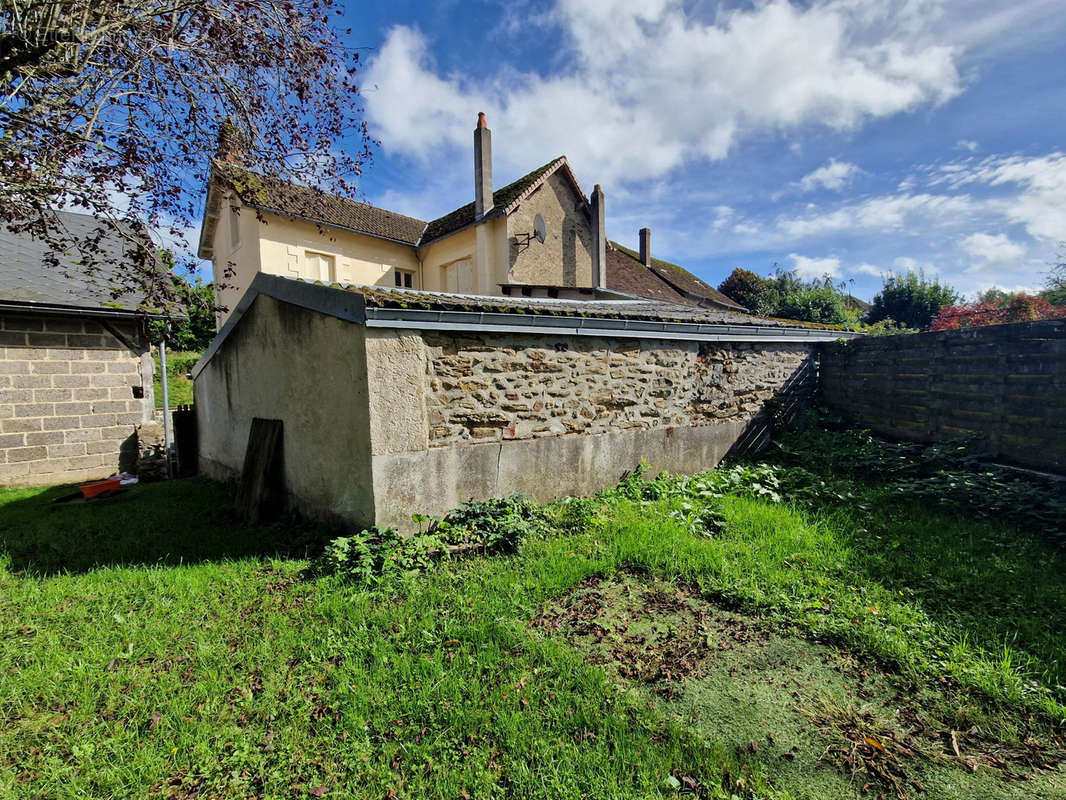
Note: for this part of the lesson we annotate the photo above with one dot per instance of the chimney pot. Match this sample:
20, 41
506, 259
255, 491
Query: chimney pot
599, 239
645, 246
481, 122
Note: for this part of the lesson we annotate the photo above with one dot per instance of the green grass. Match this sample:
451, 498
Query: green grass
151, 646
179, 387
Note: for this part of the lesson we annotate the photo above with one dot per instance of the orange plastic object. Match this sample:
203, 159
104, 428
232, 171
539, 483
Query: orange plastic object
94, 489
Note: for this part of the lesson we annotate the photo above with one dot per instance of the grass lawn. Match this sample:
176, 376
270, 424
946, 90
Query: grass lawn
150, 646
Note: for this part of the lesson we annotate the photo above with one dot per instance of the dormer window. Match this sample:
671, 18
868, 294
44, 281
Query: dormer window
405, 279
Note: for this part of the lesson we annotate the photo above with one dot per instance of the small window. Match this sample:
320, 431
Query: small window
234, 228
404, 279
319, 267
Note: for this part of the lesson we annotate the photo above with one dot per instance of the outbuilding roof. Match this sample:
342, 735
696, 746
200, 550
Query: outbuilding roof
28, 279
636, 317
679, 279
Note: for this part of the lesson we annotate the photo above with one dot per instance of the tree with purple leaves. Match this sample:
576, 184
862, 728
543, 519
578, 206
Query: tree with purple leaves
115, 108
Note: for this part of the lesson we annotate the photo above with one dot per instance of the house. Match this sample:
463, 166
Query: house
539, 236
75, 363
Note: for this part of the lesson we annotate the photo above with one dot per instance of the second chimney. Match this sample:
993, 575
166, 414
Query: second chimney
482, 167
645, 246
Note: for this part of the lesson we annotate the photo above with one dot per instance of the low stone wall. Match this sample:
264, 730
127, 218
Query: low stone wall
459, 416
523, 387
67, 397
1006, 384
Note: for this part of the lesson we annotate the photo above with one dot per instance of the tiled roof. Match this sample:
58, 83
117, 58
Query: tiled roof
292, 200
627, 274
27, 277
682, 280
501, 200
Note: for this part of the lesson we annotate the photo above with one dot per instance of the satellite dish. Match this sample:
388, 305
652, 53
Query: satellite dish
540, 230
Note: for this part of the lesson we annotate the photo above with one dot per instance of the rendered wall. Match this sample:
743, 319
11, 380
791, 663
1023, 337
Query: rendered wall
67, 405
1005, 384
309, 370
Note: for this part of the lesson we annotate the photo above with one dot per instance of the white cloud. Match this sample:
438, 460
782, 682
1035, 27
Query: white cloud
992, 251
650, 86
882, 213
835, 175
814, 268
967, 144
869, 269
1040, 184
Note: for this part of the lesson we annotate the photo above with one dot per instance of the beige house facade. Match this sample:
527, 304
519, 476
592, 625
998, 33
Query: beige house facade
537, 236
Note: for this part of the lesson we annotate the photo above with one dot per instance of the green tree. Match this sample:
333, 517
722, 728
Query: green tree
1055, 293
755, 293
814, 302
193, 332
911, 300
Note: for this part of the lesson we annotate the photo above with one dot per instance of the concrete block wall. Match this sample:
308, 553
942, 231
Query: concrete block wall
1005, 384
67, 405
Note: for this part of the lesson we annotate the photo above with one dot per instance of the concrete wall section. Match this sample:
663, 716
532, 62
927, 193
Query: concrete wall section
308, 370
68, 397
435, 481
1006, 384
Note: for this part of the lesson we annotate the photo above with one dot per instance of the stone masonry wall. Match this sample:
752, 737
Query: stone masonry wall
1004, 384
67, 397
523, 386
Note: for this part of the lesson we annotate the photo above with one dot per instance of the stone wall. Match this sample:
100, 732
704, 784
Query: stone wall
1005, 384
68, 404
522, 386
565, 256
461, 416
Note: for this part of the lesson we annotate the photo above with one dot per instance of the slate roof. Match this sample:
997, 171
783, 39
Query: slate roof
502, 199
292, 200
27, 278
681, 279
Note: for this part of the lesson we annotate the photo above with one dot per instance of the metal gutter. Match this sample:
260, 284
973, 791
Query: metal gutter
483, 321
40, 308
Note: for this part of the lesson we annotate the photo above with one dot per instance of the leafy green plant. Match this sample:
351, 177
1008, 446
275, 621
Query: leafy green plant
498, 525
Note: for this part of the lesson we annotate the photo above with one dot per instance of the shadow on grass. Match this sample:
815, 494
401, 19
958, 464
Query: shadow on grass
181, 521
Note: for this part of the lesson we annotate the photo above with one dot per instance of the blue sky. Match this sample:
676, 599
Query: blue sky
848, 137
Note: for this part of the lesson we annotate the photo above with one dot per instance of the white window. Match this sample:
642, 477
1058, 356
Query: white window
459, 277
404, 279
319, 267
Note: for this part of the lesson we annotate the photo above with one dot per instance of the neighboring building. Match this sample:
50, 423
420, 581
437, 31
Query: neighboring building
75, 365
398, 401
539, 236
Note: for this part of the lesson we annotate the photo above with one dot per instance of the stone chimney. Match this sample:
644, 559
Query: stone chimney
599, 240
482, 167
232, 142
645, 246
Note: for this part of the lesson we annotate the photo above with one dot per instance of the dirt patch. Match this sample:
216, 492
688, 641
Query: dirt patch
819, 721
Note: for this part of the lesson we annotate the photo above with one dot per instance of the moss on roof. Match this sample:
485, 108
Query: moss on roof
501, 199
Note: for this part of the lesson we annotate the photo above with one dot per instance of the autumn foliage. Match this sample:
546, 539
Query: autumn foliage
1020, 308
